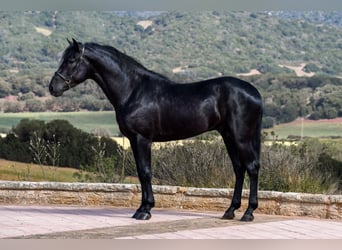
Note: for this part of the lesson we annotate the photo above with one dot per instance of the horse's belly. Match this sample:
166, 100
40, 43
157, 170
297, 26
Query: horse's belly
184, 126
165, 122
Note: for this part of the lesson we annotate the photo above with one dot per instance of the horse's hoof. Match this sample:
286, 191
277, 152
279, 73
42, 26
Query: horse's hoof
135, 215
228, 216
247, 217
143, 216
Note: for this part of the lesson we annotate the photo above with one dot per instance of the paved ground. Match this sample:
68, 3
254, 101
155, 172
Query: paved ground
67, 222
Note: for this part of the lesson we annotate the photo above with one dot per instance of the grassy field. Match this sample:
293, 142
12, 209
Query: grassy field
89, 121
309, 128
86, 121
18, 171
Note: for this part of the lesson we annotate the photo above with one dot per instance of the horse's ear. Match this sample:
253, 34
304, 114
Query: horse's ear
76, 45
70, 43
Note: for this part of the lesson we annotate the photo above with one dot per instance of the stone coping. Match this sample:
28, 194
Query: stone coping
270, 202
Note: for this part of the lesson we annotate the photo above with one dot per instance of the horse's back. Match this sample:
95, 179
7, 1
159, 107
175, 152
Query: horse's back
233, 84
223, 95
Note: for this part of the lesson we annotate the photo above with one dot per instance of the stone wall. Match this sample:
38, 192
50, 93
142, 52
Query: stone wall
128, 195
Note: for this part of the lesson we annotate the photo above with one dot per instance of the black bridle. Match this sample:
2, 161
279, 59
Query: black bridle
68, 79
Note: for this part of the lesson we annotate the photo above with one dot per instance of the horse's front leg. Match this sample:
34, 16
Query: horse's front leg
142, 153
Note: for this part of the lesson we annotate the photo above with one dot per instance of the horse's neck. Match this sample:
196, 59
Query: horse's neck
112, 81
116, 82
113, 88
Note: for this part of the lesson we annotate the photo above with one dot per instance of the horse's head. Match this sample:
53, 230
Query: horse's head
72, 70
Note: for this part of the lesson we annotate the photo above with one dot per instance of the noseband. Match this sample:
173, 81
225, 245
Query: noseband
68, 80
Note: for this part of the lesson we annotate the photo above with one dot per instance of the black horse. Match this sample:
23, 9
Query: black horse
150, 107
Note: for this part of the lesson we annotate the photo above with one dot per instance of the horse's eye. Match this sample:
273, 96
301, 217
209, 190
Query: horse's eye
71, 60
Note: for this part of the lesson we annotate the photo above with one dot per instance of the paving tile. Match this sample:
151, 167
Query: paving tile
279, 230
18, 221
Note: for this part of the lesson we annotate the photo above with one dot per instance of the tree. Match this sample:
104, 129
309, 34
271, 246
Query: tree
11, 148
267, 122
34, 106
55, 143
289, 113
26, 129
4, 89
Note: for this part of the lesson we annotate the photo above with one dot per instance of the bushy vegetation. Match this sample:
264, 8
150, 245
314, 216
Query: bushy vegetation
55, 143
310, 165
286, 98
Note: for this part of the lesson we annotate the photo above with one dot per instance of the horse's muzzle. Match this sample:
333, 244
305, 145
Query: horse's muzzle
55, 88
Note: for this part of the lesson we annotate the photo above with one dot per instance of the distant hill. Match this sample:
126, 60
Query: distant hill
203, 43
320, 17
185, 46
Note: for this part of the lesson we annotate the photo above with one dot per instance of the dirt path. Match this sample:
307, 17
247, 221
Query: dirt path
298, 70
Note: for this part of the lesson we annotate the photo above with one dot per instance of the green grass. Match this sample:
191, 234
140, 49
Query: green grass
316, 129
86, 121
89, 121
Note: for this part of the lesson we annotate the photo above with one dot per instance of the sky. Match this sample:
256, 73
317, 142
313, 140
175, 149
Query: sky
254, 5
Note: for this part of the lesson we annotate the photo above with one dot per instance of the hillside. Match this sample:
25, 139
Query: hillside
185, 46
205, 42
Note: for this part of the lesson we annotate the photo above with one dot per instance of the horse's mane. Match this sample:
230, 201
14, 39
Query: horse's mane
128, 63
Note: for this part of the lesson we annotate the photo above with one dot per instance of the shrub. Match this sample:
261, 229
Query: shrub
75, 150
310, 166
294, 169
12, 107
34, 106
196, 163
267, 122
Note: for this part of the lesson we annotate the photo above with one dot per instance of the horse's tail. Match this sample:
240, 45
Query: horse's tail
257, 134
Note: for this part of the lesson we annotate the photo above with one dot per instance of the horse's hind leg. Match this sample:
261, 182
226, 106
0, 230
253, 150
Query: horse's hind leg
250, 152
244, 158
252, 165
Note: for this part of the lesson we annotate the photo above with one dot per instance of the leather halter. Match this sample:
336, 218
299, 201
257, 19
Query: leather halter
68, 79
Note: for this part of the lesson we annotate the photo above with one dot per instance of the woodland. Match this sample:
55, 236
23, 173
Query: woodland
292, 57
